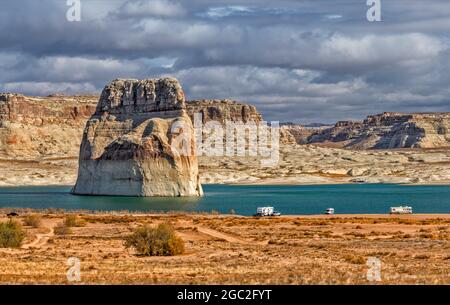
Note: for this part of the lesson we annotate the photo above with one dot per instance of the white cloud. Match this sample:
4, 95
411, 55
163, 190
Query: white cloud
155, 8
46, 88
333, 17
226, 11
296, 60
381, 49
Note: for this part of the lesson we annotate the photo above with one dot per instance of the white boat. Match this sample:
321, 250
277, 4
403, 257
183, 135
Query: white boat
401, 210
329, 211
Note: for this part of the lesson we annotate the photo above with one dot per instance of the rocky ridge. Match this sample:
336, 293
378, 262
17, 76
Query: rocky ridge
28, 124
223, 110
35, 127
40, 139
387, 131
298, 134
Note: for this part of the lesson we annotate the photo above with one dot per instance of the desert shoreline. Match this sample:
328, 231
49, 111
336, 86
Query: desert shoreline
229, 249
298, 165
175, 213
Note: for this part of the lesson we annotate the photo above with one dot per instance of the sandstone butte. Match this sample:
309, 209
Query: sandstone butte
126, 147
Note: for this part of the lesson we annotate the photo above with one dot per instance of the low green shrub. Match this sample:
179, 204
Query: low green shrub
11, 234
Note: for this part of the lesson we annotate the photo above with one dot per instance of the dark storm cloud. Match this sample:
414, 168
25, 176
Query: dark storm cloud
305, 61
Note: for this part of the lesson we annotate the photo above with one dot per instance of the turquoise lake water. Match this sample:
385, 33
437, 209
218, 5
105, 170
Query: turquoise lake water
345, 199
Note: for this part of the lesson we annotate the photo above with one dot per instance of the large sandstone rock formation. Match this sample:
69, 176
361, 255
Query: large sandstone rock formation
389, 130
128, 144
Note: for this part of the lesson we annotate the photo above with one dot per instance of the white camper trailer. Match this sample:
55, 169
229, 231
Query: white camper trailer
266, 211
401, 210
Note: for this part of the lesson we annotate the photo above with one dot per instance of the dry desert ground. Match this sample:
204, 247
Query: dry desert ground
230, 249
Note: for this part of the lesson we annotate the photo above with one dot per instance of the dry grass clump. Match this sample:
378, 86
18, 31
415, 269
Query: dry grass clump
355, 259
33, 220
110, 219
65, 228
74, 221
12, 139
11, 234
427, 235
421, 256
159, 241
62, 229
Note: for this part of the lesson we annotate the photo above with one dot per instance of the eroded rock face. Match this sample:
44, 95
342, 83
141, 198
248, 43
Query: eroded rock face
291, 133
226, 110
127, 147
389, 130
42, 127
223, 110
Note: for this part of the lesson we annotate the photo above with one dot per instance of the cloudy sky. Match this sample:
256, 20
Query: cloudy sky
300, 60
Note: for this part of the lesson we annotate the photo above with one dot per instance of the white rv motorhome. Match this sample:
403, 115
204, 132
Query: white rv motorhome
401, 210
266, 211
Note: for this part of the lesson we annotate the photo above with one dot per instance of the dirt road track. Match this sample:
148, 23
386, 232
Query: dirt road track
41, 239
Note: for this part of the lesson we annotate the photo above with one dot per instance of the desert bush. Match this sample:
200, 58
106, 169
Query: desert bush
159, 241
11, 234
421, 256
12, 139
74, 221
355, 259
34, 221
62, 229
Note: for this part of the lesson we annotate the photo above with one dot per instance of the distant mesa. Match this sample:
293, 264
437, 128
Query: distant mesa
310, 125
292, 133
388, 130
127, 143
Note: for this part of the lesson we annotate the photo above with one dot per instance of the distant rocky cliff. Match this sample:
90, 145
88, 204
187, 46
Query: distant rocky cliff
298, 134
52, 127
69, 110
36, 127
228, 110
387, 131
48, 127
223, 110
40, 139
129, 145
